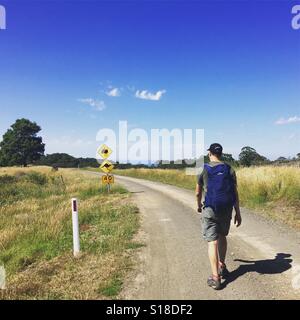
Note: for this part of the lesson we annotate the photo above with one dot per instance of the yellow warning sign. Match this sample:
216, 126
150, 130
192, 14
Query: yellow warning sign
106, 166
104, 151
108, 179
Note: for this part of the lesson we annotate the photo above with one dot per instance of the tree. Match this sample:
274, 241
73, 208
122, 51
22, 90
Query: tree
298, 156
61, 160
64, 160
20, 144
249, 156
88, 162
228, 158
281, 159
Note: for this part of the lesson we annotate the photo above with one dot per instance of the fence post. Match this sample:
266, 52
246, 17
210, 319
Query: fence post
2, 278
76, 242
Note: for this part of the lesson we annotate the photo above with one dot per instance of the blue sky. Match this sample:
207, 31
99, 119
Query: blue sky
229, 67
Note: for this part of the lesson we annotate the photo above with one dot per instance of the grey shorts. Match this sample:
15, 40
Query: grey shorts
215, 223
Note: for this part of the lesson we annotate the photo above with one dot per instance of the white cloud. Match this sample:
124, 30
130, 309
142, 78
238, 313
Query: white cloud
288, 120
292, 136
145, 94
96, 104
114, 92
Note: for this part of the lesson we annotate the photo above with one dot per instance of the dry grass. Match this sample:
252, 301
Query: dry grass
36, 235
272, 191
168, 176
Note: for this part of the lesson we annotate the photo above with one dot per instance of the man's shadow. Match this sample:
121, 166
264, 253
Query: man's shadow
279, 264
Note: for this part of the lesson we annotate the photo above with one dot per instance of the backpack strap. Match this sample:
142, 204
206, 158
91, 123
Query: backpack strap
206, 167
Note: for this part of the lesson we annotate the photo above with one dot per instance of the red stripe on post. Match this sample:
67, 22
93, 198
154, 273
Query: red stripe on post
75, 205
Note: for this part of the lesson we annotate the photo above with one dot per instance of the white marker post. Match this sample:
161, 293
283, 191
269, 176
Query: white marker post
76, 242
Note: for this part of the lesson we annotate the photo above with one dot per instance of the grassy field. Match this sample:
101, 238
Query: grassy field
272, 191
36, 235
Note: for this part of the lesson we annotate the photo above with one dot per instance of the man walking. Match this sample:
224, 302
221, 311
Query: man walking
219, 184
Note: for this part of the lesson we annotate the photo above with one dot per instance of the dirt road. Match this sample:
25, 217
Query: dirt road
174, 263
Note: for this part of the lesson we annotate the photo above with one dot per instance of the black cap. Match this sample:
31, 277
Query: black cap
215, 148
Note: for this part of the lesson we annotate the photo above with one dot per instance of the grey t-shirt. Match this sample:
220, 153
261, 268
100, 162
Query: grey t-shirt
202, 180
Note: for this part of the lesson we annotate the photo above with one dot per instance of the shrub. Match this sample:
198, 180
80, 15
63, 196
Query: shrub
36, 178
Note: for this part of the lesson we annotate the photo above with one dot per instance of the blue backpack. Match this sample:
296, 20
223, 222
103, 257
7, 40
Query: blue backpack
220, 187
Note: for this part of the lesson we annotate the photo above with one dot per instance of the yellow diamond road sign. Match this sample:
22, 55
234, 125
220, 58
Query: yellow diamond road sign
106, 166
104, 151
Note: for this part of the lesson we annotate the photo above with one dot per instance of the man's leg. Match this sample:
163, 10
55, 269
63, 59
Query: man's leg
210, 234
222, 247
223, 230
213, 256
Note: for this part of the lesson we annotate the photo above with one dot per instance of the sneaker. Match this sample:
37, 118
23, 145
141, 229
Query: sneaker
223, 271
214, 282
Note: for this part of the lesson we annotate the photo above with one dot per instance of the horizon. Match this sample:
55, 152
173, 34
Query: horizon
232, 69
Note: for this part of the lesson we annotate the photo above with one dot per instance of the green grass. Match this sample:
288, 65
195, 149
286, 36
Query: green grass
15, 188
112, 288
36, 235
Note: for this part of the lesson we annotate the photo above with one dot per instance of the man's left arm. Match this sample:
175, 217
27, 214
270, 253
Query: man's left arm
199, 197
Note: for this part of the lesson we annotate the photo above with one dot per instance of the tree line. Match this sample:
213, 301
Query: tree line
22, 146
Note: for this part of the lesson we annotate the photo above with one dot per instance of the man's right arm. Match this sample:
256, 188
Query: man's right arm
199, 197
199, 191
